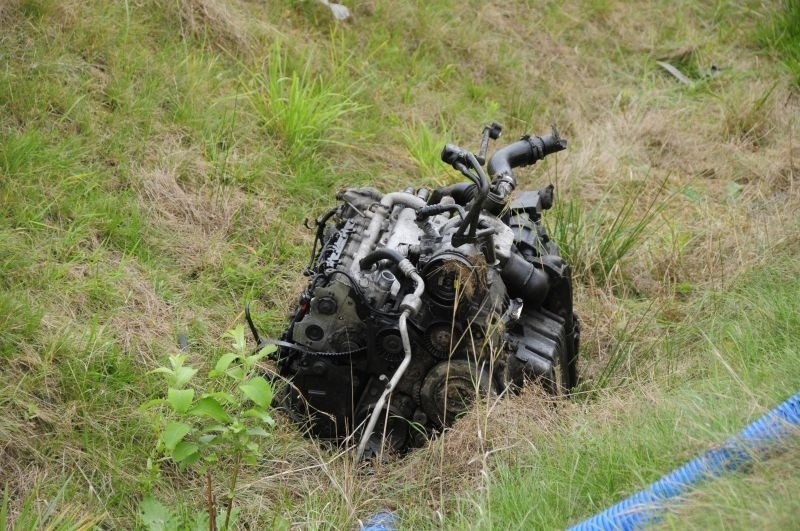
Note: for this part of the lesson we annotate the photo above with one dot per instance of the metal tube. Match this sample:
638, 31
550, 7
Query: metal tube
376, 411
419, 289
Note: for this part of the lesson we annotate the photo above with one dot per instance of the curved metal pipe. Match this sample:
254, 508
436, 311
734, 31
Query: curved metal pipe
410, 305
376, 411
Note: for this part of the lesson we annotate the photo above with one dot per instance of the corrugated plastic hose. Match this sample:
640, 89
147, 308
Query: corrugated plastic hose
757, 440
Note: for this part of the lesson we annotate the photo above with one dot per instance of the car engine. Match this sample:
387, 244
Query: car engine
421, 300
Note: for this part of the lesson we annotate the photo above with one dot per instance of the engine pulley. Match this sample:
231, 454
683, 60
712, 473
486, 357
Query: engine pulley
450, 388
449, 275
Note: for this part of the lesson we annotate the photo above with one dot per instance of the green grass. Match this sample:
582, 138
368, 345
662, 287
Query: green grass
781, 35
158, 158
611, 447
303, 109
597, 239
762, 496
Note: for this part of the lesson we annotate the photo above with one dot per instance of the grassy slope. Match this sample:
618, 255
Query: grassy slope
737, 363
153, 176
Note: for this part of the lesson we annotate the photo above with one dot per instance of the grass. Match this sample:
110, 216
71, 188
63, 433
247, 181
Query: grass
781, 35
157, 160
611, 446
759, 497
597, 240
302, 109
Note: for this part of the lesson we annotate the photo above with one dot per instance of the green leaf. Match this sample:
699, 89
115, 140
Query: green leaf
200, 522
235, 372
733, 189
150, 403
268, 349
207, 438
250, 361
692, 193
225, 361
183, 375
190, 460
183, 451
260, 414
260, 432
177, 361
180, 399
258, 390
156, 516
237, 334
223, 397
174, 433
209, 407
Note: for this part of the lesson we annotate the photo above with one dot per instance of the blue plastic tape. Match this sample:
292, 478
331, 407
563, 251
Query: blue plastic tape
381, 521
759, 439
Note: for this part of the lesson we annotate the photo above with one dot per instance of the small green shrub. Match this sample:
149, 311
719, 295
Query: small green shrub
219, 429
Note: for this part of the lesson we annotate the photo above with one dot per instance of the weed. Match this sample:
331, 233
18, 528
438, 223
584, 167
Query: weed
597, 240
55, 516
223, 424
780, 33
300, 107
425, 146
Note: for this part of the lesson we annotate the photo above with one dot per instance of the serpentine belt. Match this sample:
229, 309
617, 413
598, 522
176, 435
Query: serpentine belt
305, 350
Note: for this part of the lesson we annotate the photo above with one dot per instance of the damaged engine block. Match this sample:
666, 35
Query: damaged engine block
421, 300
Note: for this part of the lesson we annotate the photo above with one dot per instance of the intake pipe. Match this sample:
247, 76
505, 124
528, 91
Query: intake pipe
524, 152
525, 281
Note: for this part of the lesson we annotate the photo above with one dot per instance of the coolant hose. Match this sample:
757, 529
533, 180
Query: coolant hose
757, 440
524, 152
380, 254
382, 520
439, 208
524, 280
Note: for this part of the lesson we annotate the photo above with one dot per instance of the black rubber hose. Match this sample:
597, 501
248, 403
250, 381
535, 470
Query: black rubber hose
380, 254
471, 220
463, 193
525, 281
524, 152
433, 210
